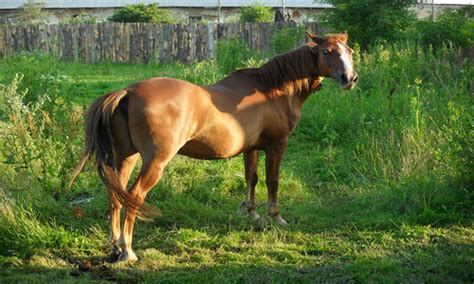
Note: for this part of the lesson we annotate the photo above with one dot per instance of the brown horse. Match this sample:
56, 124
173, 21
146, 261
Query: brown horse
251, 110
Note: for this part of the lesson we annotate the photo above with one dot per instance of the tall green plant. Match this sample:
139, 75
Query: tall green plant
287, 39
370, 21
39, 138
41, 74
255, 13
82, 18
231, 54
32, 13
142, 13
451, 26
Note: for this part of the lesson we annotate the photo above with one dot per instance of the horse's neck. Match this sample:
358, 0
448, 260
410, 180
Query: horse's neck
297, 91
294, 75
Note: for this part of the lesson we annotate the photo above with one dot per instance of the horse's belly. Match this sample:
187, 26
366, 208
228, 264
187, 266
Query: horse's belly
221, 140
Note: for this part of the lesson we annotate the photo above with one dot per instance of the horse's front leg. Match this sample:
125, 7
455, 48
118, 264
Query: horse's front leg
251, 177
274, 154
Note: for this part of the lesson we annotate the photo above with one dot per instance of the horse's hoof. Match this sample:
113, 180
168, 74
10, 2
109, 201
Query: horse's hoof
279, 220
127, 257
242, 207
254, 216
114, 254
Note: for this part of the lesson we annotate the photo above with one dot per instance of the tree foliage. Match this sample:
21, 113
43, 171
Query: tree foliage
142, 13
370, 21
453, 26
32, 13
256, 13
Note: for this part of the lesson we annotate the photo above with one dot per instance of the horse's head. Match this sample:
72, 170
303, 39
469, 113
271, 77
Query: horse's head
334, 58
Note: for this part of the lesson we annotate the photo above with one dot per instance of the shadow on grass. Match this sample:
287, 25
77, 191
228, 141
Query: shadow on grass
438, 263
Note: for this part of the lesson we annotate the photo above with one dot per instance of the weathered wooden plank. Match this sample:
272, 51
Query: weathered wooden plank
147, 43
3, 41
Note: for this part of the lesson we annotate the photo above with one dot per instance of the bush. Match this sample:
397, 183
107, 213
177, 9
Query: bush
452, 26
82, 18
32, 13
40, 138
371, 21
255, 13
142, 13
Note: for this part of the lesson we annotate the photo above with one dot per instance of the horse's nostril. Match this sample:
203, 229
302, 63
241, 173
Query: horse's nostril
356, 78
344, 79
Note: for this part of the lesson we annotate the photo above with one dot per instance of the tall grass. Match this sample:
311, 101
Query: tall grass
407, 128
40, 137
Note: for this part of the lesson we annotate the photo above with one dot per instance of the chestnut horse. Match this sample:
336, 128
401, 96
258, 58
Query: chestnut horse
251, 110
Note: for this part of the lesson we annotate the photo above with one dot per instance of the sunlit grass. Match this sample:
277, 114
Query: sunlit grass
375, 184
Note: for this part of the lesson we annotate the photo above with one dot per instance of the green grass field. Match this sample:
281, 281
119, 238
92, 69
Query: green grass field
376, 183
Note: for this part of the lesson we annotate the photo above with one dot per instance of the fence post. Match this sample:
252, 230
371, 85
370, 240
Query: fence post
3, 45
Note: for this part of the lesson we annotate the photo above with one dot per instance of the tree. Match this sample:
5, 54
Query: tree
369, 21
451, 26
256, 13
32, 13
142, 13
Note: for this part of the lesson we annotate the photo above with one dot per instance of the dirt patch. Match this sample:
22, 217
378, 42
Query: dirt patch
98, 270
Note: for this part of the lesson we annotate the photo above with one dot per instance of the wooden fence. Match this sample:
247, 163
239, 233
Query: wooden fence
137, 42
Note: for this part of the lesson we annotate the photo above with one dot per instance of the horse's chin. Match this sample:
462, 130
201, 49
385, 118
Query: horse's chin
347, 87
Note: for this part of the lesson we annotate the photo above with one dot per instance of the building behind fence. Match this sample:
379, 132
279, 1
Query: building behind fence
138, 42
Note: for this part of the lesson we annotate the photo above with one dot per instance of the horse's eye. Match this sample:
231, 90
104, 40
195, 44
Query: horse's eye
325, 51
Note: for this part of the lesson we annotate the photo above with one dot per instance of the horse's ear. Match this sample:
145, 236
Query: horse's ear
344, 36
316, 39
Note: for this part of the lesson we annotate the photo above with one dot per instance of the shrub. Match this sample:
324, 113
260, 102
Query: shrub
370, 21
142, 13
40, 138
256, 13
82, 18
453, 26
32, 13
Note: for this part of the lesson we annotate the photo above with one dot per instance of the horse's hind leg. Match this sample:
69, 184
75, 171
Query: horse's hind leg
124, 166
251, 177
125, 158
150, 173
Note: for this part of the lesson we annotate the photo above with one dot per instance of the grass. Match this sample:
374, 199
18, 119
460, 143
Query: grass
376, 183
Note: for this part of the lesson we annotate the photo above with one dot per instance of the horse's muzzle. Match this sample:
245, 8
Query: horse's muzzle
348, 80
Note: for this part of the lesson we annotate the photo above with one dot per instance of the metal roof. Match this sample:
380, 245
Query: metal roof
14, 4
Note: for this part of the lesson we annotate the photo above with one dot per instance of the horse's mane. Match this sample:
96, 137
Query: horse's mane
293, 67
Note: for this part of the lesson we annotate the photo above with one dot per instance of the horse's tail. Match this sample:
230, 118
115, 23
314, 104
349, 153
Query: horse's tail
99, 141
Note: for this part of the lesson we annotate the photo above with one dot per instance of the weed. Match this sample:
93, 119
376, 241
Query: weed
231, 54
287, 39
